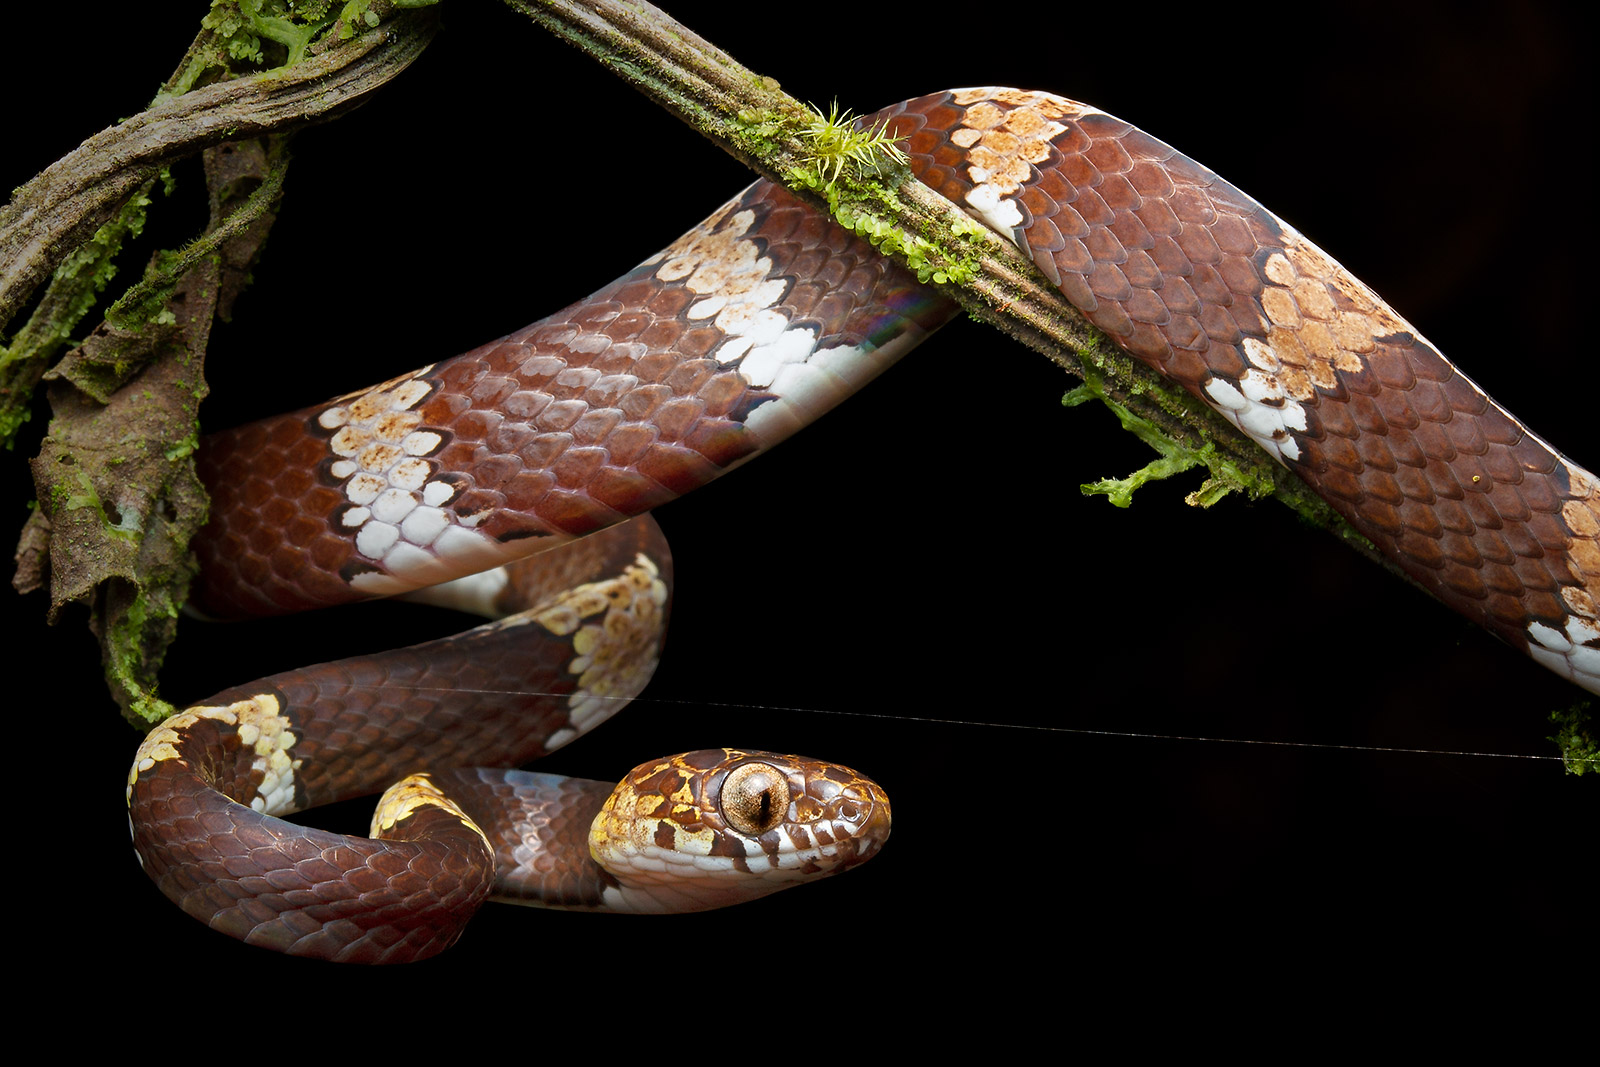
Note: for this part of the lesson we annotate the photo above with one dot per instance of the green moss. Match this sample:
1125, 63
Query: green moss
130, 664
182, 449
833, 139
86, 498
848, 167
929, 260
1580, 750
250, 35
75, 288
1226, 476
241, 26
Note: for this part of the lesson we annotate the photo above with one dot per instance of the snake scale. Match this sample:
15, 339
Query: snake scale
774, 315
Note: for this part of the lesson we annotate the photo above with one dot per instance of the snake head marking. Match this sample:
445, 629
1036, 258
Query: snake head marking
724, 825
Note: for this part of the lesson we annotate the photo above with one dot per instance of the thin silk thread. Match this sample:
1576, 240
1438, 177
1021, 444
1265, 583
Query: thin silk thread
1083, 731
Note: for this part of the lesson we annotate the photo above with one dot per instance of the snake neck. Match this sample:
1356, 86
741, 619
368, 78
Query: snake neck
538, 825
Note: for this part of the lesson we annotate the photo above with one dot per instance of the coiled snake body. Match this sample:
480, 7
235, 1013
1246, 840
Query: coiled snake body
752, 324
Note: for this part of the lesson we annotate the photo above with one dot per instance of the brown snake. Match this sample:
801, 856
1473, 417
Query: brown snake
1182, 270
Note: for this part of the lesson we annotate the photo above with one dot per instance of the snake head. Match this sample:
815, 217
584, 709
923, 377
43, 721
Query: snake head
721, 826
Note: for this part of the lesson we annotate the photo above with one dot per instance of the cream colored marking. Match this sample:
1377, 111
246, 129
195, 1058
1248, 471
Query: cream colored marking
1574, 653
259, 726
410, 474
348, 441
615, 626
559, 738
392, 505
1259, 407
364, 488
1581, 515
1311, 296
1583, 601
1003, 144
466, 551
623, 839
1280, 307
1261, 355
1342, 319
401, 800
422, 442
396, 394
379, 456
732, 350
393, 425
423, 525
763, 366
998, 213
476, 594
748, 319
398, 518
454, 553
717, 263
1279, 270
376, 538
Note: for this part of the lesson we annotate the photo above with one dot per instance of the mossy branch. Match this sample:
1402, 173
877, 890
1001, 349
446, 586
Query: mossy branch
749, 117
63, 206
118, 496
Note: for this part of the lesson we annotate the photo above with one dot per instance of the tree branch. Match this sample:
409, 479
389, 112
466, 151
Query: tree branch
118, 497
63, 206
749, 117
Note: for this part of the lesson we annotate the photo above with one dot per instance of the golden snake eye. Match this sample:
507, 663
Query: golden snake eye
755, 798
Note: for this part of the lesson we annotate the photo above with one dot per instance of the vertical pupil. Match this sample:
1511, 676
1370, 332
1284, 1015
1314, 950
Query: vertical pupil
755, 798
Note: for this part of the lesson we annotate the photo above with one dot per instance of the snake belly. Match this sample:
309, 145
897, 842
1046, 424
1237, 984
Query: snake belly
725, 343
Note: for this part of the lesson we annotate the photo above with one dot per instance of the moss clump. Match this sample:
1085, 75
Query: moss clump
1176, 457
1580, 751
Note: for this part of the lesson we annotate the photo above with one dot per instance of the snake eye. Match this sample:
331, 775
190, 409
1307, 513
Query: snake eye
755, 798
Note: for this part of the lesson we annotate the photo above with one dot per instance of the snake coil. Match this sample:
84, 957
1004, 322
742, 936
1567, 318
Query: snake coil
737, 335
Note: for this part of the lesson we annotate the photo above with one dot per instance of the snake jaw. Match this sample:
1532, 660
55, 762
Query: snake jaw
669, 833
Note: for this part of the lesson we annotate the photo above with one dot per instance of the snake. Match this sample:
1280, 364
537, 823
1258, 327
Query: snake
546, 443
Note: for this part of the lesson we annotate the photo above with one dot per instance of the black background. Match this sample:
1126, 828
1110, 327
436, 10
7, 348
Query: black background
924, 552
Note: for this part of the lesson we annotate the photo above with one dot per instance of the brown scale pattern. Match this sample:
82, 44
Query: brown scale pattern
1187, 273
368, 720
359, 725
516, 807
490, 696
603, 410
304, 891
613, 406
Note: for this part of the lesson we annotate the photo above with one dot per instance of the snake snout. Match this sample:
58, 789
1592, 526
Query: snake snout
722, 826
